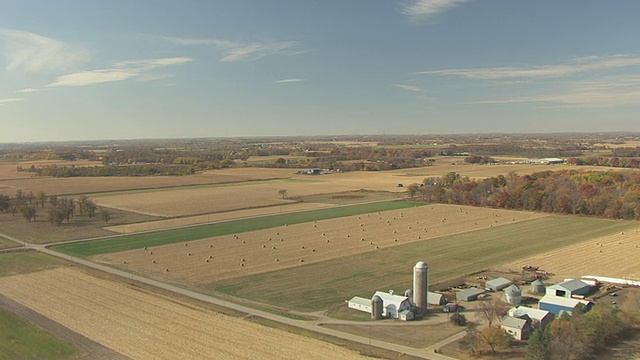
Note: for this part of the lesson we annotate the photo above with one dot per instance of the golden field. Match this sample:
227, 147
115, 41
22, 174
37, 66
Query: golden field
143, 325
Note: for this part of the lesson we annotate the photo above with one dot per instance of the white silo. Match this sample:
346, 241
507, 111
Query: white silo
420, 286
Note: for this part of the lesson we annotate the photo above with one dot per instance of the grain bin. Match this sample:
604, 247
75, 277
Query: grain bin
513, 295
376, 307
409, 294
538, 287
420, 286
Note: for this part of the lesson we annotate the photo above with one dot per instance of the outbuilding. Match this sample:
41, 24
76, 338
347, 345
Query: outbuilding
360, 303
497, 284
539, 318
469, 294
518, 328
569, 288
434, 298
558, 304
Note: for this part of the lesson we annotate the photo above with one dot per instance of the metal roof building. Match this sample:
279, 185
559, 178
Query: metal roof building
469, 294
569, 288
360, 303
518, 328
497, 284
540, 317
557, 304
436, 298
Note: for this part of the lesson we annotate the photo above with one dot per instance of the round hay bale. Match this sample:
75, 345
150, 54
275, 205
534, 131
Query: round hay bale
242, 260
207, 260
186, 244
273, 247
377, 247
153, 261
303, 246
361, 239
395, 240
281, 240
244, 242
145, 248
313, 250
328, 240
166, 269
210, 245
277, 259
241, 264
124, 262
188, 254
301, 260
150, 252
210, 256
264, 246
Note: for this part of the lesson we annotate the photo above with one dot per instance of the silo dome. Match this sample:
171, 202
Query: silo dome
409, 293
421, 265
513, 295
537, 287
420, 286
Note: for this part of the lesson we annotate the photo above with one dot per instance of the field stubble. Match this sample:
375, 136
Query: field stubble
144, 325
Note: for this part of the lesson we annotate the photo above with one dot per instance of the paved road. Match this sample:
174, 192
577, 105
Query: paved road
427, 353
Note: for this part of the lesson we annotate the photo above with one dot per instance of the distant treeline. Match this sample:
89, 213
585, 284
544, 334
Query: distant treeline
127, 170
610, 194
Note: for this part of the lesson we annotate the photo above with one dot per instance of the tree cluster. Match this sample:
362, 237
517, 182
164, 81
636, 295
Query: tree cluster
580, 335
609, 194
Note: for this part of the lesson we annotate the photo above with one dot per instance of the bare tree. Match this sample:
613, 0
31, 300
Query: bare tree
492, 309
282, 193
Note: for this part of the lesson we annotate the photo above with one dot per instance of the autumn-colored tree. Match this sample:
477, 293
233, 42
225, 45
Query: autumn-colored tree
41, 197
282, 193
492, 310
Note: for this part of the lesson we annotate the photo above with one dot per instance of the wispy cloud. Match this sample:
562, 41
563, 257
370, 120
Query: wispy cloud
118, 72
407, 87
612, 91
284, 81
420, 10
580, 65
30, 52
27, 90
235, 51
9, 100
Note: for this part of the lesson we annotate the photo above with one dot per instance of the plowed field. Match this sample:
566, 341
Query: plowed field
208, 260
142, 325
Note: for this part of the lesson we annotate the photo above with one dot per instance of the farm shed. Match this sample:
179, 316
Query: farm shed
435, 298
469, 294
405, 315
518, 328
513, 294
360, 303
557, 304
539, 317
569, 288
392, 304
497, 284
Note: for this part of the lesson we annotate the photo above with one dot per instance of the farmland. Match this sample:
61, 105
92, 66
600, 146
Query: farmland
241, 254
612, 255
317, 286
139, 324
138, 241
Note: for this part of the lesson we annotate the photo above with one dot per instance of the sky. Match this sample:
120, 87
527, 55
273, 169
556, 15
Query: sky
121, 69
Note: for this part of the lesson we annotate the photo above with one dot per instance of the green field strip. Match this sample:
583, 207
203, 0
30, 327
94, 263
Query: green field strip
317, 286
21, 340
137, 241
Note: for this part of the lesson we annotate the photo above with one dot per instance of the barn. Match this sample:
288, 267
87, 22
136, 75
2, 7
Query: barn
569, 288
469, 294
360, 303
557, 304
393, 305
497, 284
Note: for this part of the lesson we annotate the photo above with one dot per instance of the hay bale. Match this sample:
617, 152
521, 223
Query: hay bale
166, 269
211, 245
303, 246
207, 260
313, 250
124, 262
264, 246
395, 240
301, 260
273, 247
277, 259
153, 261
188, 254
145, 248
186, 244
150, 252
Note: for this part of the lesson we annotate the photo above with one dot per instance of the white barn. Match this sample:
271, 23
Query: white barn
360, 303
393, 305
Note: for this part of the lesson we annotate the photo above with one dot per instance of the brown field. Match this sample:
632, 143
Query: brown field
144, 325
613, 256
214, 259
87, 185
229, 197
216, 217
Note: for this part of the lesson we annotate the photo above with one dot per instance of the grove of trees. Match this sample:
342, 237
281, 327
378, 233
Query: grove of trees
610, 194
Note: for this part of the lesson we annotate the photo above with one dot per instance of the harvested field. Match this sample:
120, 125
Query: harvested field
90, 185
148, 326
203, 219
614, 255
214, 259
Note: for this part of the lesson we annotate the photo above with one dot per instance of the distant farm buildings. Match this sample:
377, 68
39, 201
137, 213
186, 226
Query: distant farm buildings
469, 294
497, 284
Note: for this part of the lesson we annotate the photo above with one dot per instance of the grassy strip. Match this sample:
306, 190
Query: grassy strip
12, 263
21, 340
137, 241
321, 285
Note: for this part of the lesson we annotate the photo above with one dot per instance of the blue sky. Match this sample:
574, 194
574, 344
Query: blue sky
120, 69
